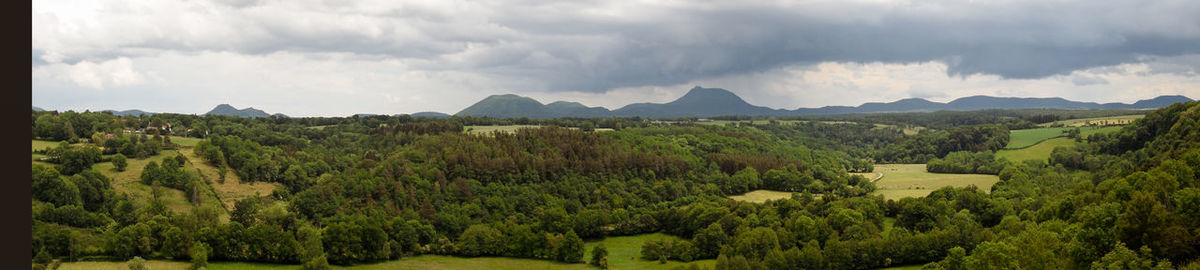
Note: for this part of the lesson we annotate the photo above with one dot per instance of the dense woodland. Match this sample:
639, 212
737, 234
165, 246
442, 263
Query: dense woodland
367, 189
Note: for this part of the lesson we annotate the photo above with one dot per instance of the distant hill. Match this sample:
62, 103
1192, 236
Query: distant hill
430, 114
698, 102
507, 106
130, 113
225, 109
708, 102
36, 109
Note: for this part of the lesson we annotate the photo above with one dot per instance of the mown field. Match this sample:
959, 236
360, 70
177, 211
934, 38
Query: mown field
1111, 120
911, 180
623, 253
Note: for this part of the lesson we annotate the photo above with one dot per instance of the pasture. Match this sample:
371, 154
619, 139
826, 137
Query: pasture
42, 145
624, 252
1027, 137
1111, 120
1040, 151
761, 196
233, 189
185, 141
911, 180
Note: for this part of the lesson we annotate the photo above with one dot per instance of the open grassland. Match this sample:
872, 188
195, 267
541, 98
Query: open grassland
129, 182
42, 145
1040, 151
1084, 132
1027, 137
1111, 120
624, 252
911, 180
185, 141
233, 188
761, 196
906, 267
155, 265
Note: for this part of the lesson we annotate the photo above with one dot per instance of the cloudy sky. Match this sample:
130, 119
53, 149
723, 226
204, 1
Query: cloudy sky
335, 58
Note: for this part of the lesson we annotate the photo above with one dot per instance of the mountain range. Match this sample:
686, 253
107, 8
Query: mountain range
708, 102
226, 109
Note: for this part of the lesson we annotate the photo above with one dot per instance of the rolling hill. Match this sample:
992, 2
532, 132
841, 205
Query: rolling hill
226, 109
708, 102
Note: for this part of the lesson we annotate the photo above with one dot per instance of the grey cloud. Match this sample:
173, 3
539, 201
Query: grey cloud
572, 47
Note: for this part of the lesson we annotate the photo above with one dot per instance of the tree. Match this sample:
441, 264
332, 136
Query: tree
572, 248
119, 162
481, 240
199, 255
599, 256
49, 186
316, 263
993, 255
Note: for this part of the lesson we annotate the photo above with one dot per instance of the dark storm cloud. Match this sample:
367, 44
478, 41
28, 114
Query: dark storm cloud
596, 46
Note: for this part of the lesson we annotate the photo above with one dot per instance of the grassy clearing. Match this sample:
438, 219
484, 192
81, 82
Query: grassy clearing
1040, 151
911, 180
624, 252
42, 145
906, 267
185, 141
1026, 137
233, 189
1111, 120
156, 265
761, 196
129, 182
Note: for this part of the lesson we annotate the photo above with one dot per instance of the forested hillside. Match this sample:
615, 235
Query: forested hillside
369, 189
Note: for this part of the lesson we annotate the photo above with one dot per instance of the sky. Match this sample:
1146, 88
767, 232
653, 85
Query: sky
337, 58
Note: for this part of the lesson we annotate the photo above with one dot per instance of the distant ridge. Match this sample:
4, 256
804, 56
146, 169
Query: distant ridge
226, 109
709, 102
134, 112
36, 109
430, 115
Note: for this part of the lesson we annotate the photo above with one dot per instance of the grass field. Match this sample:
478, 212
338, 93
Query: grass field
42, 145
1111, 120
185, 141
761, 196
1026, 137
911, 180
623, 253
233, 189
128, 182
1040, 151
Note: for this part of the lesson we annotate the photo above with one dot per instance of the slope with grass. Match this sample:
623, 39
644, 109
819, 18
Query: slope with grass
1111, 120
911, 180
1028, 137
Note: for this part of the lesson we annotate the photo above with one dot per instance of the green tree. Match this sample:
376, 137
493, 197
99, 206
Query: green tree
572, 248
480, 240
599, 255
199, 255
993, 255
49, 186
119, 162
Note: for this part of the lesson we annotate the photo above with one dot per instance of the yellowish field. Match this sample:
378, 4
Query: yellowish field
129, 182
185, 141
761, 196
155, 265
1111, 120
233, 189
911, 180
624, 252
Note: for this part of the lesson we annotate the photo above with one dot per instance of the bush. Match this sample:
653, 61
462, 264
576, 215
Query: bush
318, 263
137, 263
120, 162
